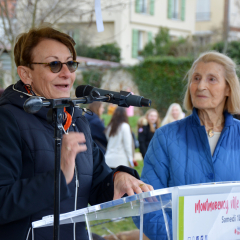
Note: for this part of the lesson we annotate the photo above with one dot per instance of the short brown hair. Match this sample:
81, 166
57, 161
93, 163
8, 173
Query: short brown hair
26, 42
232, 104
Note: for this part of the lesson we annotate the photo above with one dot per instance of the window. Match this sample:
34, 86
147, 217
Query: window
145, 6
176, 9
139, 40
203, 10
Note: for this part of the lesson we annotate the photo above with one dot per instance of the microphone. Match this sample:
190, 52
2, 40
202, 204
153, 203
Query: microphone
123, 99
35, 103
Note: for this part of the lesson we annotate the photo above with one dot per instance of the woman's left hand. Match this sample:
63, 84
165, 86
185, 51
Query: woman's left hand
126, 183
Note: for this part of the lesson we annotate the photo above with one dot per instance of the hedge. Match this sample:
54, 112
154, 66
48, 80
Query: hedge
162, 80
159, 78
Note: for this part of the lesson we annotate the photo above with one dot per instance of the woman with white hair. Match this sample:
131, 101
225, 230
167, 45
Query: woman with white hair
174, 113
203, 147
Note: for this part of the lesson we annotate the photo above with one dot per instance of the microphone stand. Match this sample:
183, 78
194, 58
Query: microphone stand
55, 115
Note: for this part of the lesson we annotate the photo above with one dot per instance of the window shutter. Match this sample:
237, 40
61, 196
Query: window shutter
149, 37
134, 43
183, 10
76, 36
151, 7
137, 6
170, 8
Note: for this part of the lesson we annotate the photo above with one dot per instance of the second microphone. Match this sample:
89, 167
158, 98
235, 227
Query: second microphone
122, 98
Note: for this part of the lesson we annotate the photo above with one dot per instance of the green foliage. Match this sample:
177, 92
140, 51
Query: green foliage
139, 167
162, 45
161, 80
100, 226
108, 52
233, 49
93, 77
157, 78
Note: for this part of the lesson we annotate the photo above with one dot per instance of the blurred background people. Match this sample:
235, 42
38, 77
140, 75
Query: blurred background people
147, 126
119, 136
130, 109
111, 108
174, 113
97, 125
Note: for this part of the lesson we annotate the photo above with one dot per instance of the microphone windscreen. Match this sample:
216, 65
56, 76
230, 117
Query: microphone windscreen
83, 90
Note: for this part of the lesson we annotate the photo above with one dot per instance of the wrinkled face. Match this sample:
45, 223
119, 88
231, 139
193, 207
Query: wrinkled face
175, 112
44, 82
152, 117
208, 87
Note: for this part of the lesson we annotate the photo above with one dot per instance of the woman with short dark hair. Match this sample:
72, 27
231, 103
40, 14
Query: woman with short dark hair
46, 64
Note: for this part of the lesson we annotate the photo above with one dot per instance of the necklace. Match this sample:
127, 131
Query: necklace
210, 133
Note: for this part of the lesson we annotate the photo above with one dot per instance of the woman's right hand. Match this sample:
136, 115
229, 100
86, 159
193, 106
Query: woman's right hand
72, 144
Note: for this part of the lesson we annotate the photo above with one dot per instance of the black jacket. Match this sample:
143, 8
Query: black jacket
144, 138
27, 171
97, 131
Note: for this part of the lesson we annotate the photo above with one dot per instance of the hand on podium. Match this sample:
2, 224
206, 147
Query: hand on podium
126, 183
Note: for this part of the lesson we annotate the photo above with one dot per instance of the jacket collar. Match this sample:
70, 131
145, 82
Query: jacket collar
17, 95
196, 121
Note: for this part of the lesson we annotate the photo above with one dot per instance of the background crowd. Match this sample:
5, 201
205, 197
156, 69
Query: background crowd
117, 140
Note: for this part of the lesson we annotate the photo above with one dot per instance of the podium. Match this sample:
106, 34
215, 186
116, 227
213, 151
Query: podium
197, 212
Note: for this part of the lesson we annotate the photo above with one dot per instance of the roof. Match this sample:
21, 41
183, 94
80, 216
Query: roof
97, 62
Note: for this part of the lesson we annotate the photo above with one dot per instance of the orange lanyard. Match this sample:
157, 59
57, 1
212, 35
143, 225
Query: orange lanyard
68, 120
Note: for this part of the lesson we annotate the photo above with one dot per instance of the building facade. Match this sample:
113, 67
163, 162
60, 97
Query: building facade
217, 20
135, 23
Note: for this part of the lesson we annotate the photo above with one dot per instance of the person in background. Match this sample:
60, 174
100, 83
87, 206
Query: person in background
174, 113
118, 132
1, 91
130, 109
111, 108
96, 124
147, 128
203, 147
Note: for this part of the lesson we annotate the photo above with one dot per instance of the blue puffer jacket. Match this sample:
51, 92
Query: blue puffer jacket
179, 154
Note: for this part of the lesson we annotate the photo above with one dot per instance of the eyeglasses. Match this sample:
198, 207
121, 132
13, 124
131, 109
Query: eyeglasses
56, 66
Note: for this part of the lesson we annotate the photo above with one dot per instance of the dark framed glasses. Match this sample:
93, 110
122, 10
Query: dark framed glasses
56, 66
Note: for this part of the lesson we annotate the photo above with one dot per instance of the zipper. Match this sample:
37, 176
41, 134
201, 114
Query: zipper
75, 204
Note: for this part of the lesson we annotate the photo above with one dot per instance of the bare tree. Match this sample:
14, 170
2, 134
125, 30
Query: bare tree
17, 16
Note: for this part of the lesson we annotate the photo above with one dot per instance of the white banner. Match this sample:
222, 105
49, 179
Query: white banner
209, 217
98, 13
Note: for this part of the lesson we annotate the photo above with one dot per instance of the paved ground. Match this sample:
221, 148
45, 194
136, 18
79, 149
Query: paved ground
138, 156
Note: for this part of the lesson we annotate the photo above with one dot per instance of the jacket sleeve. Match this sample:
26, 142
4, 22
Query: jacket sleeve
127, 142
102, 189
142, 138
20, 198
156, 173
